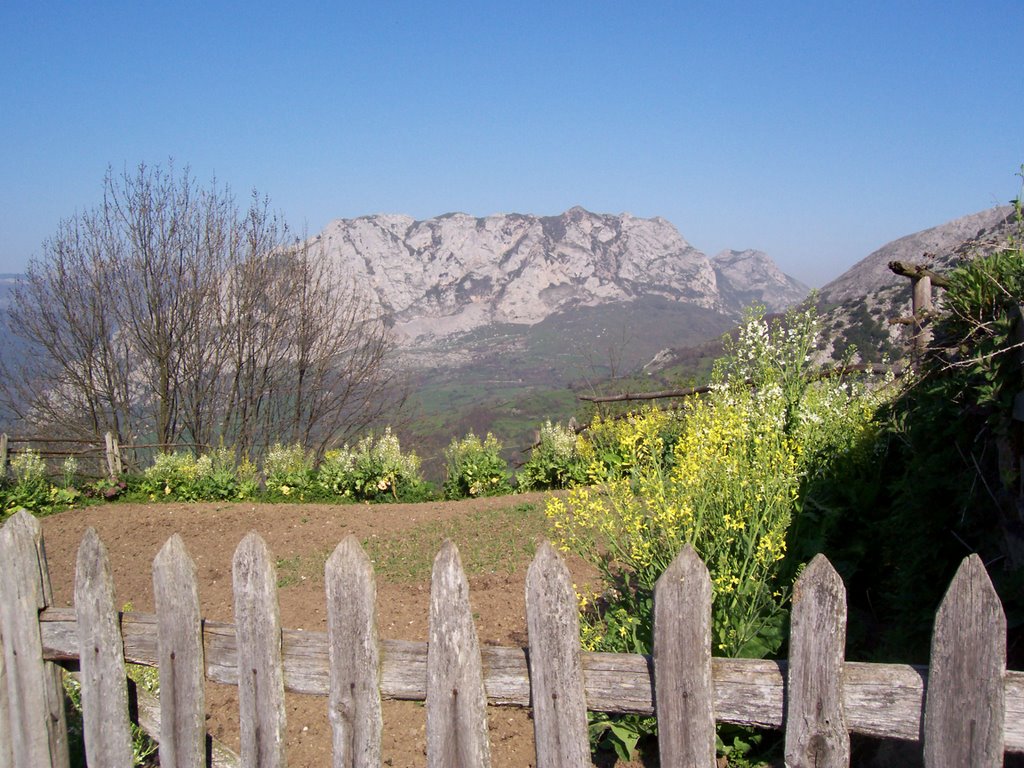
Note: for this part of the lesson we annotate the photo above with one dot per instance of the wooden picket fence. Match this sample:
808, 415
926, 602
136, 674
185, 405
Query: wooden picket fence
965, 709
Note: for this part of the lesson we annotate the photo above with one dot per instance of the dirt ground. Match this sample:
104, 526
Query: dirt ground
133, 534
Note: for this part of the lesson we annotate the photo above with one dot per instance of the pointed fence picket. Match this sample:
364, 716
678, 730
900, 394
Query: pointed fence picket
966, 710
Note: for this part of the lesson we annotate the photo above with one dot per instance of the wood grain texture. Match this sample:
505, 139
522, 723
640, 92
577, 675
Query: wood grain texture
964, 704
456, 700
881, 700
108, 738
684, 695
6, 759
556, 674
260, 673
38, 733
182, 735
816, 734
354, 657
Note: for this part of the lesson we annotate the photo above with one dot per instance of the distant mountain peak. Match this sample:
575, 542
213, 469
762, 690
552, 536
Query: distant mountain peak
456, 273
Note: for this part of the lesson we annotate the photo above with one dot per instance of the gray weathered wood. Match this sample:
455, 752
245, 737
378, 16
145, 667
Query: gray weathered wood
354, 655
456, 700
182, 736
38, 732
3, 456
108, 738
683, 689
6, 760
816, 732
556, 674
260, 674
880, 700
964, 706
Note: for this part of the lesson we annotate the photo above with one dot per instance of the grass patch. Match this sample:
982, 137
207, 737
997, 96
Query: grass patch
489, 541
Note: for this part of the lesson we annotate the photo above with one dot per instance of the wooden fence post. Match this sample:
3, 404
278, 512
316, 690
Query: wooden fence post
556, 675
456, 700
964, 705
816, 732
113, 453
683, 688
3, 456
354, 652
108, 739
179, 658
34, 689
260, 673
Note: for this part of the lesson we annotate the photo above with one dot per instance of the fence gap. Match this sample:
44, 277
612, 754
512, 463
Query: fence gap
556, 675
34, 689
456, 700
179, 658
683, 688
354, 652
964, 704
108, 739
260, 673
816, 733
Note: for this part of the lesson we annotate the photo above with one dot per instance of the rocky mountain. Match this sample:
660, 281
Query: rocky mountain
859, 303
947, 244
748, 277
455, 274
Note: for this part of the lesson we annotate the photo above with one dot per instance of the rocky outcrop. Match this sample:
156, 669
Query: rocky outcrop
455, 273
751, 277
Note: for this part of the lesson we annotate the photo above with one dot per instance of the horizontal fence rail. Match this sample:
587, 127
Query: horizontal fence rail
966, 709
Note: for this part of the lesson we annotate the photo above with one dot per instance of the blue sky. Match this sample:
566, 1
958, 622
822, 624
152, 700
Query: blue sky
813, 131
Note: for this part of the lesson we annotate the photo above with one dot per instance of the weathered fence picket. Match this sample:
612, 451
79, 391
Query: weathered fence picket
260, 671
556, 675
354, 655
456, 700
683, 690
816, 731
974, 710
179, 658
38, 731
108, 737
964, 709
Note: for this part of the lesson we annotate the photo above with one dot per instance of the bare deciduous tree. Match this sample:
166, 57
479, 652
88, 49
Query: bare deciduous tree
167, 315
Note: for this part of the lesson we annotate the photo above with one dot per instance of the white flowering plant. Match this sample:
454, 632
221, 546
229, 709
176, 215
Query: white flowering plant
474, 467
375, 469
556, 461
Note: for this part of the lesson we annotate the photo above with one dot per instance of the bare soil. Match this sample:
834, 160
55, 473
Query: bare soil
134, 533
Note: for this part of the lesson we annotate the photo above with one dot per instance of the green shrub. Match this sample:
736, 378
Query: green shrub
555, 462
180, 476
374, 470
474, 467
30, 490
288, 472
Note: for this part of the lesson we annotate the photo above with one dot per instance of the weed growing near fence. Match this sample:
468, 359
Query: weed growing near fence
474, 467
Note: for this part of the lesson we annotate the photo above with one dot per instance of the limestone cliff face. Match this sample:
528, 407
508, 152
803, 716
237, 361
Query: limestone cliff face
455, 273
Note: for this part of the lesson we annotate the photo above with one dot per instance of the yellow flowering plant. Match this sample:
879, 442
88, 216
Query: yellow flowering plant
725, 474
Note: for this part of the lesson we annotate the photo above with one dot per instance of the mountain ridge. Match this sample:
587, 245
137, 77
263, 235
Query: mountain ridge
446, 276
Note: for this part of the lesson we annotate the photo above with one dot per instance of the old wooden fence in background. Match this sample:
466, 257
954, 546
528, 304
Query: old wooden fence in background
965, 709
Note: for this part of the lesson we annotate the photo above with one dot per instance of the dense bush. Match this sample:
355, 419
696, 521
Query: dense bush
555, 462
374, 470
213, 476
30, 489
474, 467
